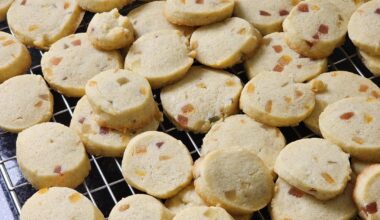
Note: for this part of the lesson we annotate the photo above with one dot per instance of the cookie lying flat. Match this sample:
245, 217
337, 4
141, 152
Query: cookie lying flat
291, 203
102, 5
361, 27
241, 131
4, 6
72, 61
276, 100
314, 28
232, 41
198, 12
157, 163
269, 55
150, 17
140, 206
203, 213
24, 101
162, 57
371, 62
15, 57
110, 31
333, 86
184, 199
51, 154
328, 167
122, 100
40, 23
236, 180
366, 192
201, 98
266, 16
358, 166
100, 140
353, 124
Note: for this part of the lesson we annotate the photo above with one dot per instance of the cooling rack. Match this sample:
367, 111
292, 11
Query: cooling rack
105, 185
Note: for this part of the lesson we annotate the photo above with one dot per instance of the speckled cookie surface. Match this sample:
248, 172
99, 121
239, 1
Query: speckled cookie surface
203, 213
15, 57
102, 5
24, 101
270, 54
328, 167
184, 199
348, 7
51, 154
40, 23
372, 62
59, 203
225, 43
72, 61
201, 98
4, 6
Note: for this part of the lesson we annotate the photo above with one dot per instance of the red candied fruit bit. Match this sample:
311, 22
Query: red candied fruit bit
264, 13
283, 12
104, 130
23, 2
277, 48
199, 1
81, 120
56, 60
159, 144
377, 11
346, 115
324, 29
303, 7
76, 42
316, 36
371, 208
58, 170
182, 120
296, 192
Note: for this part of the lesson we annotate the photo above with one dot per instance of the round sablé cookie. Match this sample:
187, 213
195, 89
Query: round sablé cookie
122, 100
59, 203
269, 57
138, 207
73, 60
315, 28
184, 199
232, 41
110, 31
203, 213
291, 203
372, 62
150, 17
241, 131
366, 193
198, 12
51, 154
266, 16
102, 141
333, 86
4, 6
276, 100
203, 97
353, 124
40, 23
328, 167
348, 7
162, 57
358, 166
15, 57
24, 101
158, 164
96, 6
361, 27
234, 179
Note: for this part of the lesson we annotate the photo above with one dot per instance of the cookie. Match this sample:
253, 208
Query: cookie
276, 100
201, 98
348, 7
315, 28
333, 86
291, 203
72, 61
40, 23
198, 12
51, 154
328, 167
149, 17
361, 27
110, 31
232, 41
122, 100
203, 213
157, 164
184, 199
15, 57
269, 55
96, 6
372, 62
358, 166
24, 101
235, 179
366, 193
140, 206
101, 141
241, 131
162, 57
59, 203
353, 124
266, 16
4, 6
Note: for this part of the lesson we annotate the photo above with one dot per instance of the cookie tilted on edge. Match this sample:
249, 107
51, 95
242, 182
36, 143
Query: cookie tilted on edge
203, 213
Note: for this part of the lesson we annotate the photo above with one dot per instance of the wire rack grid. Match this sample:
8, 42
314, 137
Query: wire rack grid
105, 185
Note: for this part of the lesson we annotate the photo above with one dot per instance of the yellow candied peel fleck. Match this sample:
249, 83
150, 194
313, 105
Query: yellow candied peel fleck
123, 207
368, 118
315, 7
75, 197
327, 178
140, 172
43, 191
250, 88
33, 27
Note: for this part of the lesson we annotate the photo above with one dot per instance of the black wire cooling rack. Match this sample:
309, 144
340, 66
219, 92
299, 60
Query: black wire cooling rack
105, 184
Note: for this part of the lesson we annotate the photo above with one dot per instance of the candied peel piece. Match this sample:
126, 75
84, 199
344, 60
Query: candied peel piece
363, 88
182, 120
327, 177
268, 106
347, 115
264, 13
303, 7
318, 86
277, 48
188, 108
123, 207
250, 88
159, 144
56, 60
370, 208
296, 192
283, 12
140, 150
75, 197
